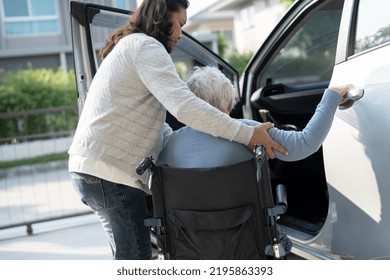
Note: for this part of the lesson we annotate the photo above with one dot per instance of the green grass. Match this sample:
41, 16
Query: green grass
36, 160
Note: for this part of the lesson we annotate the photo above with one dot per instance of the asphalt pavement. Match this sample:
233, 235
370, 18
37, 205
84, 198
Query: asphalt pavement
35, 194
78, 238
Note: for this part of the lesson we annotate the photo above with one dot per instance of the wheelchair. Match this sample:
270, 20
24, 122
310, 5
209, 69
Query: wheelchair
218, 213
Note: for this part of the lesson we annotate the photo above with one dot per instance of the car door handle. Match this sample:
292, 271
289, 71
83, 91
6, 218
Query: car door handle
350, 98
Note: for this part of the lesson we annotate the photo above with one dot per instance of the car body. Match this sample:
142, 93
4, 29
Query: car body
337, 197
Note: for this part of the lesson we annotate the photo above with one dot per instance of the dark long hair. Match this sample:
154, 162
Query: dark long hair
152, 17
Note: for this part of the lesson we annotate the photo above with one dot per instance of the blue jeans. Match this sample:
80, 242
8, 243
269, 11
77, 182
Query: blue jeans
121, 210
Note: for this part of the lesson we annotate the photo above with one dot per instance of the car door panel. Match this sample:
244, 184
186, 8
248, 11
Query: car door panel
354, 145
285, 82
286, 100
289, 110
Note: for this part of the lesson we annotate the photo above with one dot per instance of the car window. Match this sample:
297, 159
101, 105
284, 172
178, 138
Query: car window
309, 56
185, 56
30, 18
373, 24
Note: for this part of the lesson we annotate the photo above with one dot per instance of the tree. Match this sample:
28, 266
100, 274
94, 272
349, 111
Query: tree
287, 3
37, 90
222, 44
239, 61
235, 59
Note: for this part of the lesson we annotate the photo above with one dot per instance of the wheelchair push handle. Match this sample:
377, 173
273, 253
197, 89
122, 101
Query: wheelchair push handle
260, 153
145, 164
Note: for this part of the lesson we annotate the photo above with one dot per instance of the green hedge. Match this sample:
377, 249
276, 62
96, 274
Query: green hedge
32, 89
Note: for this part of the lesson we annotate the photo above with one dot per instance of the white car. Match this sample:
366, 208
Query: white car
337, 197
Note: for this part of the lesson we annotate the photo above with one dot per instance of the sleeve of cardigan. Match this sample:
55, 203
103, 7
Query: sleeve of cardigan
302, 144
157, 71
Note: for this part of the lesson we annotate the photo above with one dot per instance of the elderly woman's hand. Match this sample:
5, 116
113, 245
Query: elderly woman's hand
342, 90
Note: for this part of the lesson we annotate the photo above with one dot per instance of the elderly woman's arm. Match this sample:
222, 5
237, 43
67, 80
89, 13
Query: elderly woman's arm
301, 144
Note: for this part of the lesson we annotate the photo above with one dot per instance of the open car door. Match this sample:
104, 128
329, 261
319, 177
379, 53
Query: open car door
283, 83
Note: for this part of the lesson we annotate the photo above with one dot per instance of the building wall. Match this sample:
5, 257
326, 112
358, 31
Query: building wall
207, 23
249, 21
52, 51
266, 14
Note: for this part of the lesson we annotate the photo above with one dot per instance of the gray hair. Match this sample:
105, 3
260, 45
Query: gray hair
211, 85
